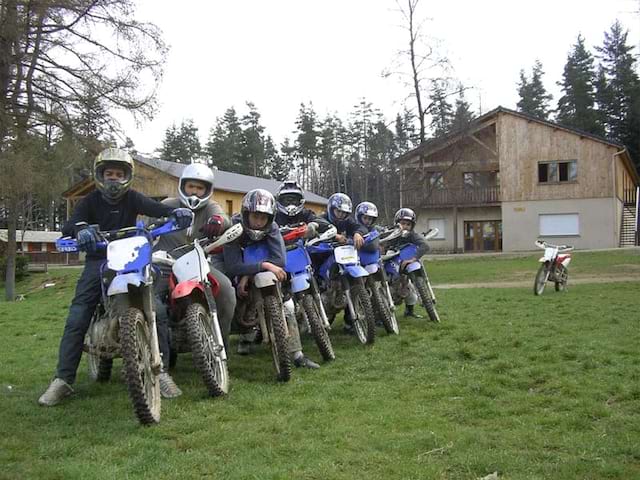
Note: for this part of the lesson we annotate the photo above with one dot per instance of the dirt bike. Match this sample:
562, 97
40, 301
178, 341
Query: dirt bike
303, 287
343, 284
553, 266
378, 284
124, 323
413, 272
264, 308
194, 315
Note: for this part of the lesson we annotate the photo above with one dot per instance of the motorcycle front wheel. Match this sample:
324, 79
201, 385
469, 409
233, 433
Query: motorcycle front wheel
143, 385
318, 332
279, 340
541, 279
383, 310
425, 297
206, 350
364, 324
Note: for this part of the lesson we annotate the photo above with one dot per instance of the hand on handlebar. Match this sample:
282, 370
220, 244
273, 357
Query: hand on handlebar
87, 239
358, 241
341, 238
242, 288
279, 272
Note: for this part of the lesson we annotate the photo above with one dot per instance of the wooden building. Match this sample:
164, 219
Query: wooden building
158, 179
39, 247
510, 178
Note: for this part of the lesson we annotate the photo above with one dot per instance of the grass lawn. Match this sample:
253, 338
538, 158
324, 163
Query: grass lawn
531, 387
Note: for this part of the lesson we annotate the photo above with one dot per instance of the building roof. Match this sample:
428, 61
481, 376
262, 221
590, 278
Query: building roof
31, 236
228, 181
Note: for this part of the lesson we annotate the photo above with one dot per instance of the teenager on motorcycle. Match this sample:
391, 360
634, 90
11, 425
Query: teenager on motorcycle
195, 191
113, 205
290, 204
257, 217
406, 219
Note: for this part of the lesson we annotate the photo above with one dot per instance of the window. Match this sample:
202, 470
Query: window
481, 179
554, 172
559, 224
435, 179
439, 224
230, 207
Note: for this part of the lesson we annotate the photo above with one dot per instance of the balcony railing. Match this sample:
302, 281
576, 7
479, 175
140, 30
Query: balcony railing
452, 196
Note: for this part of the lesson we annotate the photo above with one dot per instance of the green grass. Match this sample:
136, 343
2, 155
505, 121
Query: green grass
532, 387
464, 269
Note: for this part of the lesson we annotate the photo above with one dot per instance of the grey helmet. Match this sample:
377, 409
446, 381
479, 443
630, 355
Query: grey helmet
258, 200
290, 198
200, 173
366, 208
113, 190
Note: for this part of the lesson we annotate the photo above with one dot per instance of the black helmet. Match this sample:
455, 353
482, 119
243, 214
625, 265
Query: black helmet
405, 214
290, 198
260, 201
338, 201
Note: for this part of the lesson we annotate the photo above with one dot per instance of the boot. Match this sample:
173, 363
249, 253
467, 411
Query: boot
408, 312
168, 387
57, 391
300, 360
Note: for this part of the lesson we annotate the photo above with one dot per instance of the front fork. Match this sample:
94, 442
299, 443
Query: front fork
150, 313
213, 313
318, 299
346, 287
387, 289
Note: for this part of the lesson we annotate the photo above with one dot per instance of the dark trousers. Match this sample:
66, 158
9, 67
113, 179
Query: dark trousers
84, 303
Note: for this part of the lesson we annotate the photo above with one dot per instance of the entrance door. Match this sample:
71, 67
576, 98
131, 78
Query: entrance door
483, 236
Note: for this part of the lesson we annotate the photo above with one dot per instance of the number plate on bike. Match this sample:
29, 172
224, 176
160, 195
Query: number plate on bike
128, 254
346, 254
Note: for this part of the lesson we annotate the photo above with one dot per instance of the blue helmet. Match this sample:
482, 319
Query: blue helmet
339, 201
366, 208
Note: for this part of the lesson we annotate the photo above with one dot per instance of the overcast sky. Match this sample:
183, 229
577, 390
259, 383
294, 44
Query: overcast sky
279, 53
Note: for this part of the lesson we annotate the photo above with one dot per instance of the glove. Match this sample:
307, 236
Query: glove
183, 217
214, 227
312, 230
87, 238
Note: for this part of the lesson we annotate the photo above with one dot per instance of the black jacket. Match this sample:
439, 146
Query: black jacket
234, 264
95, 210
415, 238
348, 226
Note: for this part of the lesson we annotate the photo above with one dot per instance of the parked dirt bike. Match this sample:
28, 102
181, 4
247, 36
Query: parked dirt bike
343, 284
378, 284
264, 308
413, 272
303, 287
194, 315
124, 324
553, 266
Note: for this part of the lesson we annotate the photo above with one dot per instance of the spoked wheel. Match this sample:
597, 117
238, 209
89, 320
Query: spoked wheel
382, 308
278, 337
541, 279
364, 323
320, 335
425, 298
207, 349
563, 275
99, 368
142, 383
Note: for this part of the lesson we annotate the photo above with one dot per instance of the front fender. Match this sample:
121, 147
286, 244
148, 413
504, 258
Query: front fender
355, 271
413, 266
120, 283
265, 279
371, 268
299, 283
184, 289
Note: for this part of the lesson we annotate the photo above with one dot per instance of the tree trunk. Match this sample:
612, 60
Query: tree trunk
10, 276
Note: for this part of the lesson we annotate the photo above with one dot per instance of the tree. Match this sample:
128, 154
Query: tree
224, 147
52, 54
426, 65
181, 145
618, 89
253, 143
307, 145
462, 115
534, 99
440, 110
576, 105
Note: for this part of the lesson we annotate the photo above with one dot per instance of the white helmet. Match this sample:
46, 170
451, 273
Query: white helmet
200, 173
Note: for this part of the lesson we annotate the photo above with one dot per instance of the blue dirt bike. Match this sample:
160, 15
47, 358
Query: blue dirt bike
342, 281
303, 287
124, 323
264, 309
402, 275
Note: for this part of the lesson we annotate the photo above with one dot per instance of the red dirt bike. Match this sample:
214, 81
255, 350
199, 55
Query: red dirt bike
194, 319
553, 266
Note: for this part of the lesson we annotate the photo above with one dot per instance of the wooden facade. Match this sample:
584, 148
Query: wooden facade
507, 159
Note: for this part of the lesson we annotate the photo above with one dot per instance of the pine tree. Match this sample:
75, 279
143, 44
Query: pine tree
576, 107
181, 145
253, 143
224, 146
440, 110
534, 98
307, 145
618, 90
463, 115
